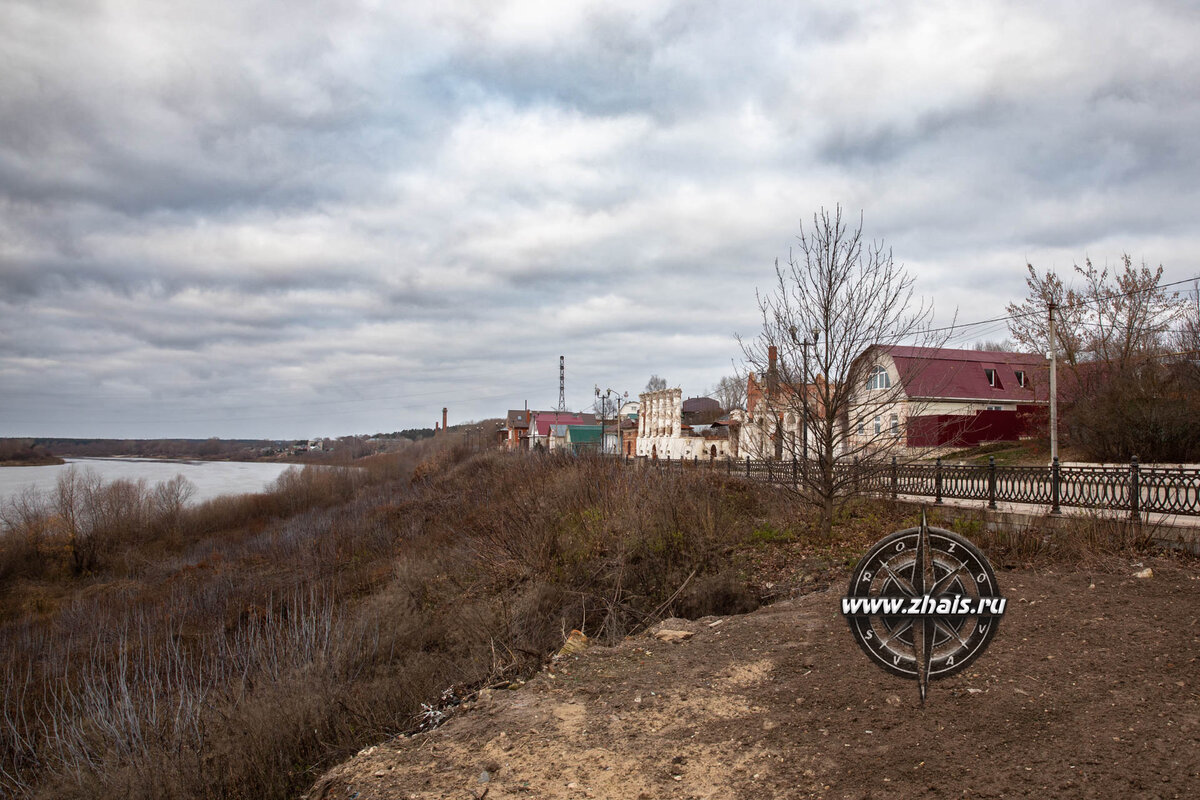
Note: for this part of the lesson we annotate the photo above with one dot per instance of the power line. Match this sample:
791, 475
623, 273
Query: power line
1078, 304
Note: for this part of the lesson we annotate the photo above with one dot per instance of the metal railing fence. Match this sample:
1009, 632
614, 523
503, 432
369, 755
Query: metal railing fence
1132, 488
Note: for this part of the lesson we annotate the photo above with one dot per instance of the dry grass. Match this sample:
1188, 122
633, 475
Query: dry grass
236, 648
1087, 541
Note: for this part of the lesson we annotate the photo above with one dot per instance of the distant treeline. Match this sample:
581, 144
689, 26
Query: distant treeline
416, 434
160, 448
38, 450
25, 451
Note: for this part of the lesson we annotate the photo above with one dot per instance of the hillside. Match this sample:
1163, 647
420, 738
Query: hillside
1098, 696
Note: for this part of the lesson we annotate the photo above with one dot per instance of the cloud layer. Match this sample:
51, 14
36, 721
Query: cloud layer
291, 219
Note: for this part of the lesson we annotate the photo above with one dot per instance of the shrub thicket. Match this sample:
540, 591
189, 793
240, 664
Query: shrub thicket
235, 648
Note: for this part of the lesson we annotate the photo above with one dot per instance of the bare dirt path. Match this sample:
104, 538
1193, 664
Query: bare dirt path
1090, 689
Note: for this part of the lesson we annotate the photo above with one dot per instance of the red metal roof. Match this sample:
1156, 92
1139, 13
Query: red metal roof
547, 418
930, 372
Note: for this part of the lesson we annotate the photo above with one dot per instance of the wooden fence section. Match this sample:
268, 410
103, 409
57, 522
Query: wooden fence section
1132, 488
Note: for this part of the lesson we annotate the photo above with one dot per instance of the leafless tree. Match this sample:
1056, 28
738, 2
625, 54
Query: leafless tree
1030, 318
730, 392
656, 384
72, 503
833, 304
989, 346
1114, 337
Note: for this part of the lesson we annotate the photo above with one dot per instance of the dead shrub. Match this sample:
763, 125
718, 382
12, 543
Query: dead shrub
275, 633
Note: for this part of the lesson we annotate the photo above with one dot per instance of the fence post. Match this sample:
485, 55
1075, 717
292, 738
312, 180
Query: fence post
1135, 490
857, 487
991, 481
795, 483
729, 466
747, 467
937, 483
1055, 487
695, 461
895, 479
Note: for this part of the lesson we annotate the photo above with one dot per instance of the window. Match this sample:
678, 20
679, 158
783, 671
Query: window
862, 426
895, 423
991, 376
879, 379
995, 408
1020, 378
879, 425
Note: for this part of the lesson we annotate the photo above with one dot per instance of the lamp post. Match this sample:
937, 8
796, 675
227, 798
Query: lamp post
616, 418
816, 336
1053, 356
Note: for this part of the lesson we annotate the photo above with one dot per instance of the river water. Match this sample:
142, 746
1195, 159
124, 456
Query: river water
211, 478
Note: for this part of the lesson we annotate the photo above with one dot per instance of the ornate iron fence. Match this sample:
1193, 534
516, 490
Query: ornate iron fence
1133, 488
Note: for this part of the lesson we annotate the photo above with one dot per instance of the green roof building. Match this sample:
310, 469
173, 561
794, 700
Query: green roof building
583, 437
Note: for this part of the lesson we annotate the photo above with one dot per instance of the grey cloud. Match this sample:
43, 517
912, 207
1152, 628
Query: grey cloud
224, 215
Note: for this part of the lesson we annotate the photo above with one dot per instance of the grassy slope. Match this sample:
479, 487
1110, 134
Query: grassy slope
258, 640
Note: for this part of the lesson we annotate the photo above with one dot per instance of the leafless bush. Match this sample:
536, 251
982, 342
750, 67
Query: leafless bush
1078, 540
282, 631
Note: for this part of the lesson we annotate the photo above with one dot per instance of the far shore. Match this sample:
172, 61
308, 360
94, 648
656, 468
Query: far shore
44, 461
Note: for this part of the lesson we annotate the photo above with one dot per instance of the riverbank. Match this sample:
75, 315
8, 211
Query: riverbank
245, 647
40, 461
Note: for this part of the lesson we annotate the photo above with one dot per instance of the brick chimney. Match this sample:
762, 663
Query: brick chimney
443, 419
772, 376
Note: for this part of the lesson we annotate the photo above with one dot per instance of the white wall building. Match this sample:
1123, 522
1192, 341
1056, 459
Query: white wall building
661, 433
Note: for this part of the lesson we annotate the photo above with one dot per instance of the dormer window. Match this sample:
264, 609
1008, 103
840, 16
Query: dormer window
879, 379
991, 376
1020, 378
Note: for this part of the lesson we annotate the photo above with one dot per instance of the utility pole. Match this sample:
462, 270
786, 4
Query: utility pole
1053, 390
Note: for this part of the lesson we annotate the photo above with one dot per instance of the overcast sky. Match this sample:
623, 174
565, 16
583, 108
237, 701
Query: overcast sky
289, 219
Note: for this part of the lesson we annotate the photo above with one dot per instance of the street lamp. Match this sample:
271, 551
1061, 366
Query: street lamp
616, 418
816, 336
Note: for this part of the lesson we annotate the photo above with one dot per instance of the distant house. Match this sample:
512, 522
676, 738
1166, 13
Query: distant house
629, 433
933, 397
548, 429
700, 411
525, 429
516, 429
583, 438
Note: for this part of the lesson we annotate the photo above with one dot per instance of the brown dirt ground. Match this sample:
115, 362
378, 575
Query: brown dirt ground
1091, 688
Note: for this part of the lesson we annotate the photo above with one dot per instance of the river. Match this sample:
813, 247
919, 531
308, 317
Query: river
211, 478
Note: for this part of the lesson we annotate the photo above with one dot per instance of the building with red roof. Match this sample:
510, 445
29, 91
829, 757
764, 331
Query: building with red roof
936, 397
526, 428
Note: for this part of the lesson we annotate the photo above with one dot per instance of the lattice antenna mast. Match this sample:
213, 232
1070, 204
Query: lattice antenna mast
562, 383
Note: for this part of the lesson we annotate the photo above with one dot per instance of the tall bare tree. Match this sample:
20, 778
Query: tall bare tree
837, 297
730, 392
1114, 335
1029, 319
656, 384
